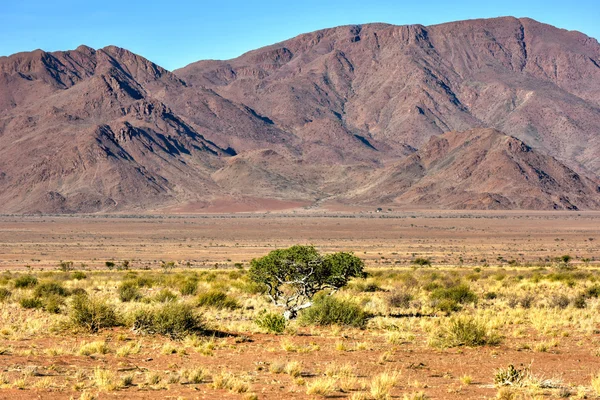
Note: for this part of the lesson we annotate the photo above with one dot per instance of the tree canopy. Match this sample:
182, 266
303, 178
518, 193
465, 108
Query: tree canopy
293, 276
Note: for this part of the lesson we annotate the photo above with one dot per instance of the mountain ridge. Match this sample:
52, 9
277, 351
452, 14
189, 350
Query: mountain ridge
351, 114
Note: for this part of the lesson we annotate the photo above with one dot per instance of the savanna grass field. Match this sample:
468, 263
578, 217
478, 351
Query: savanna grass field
451, 305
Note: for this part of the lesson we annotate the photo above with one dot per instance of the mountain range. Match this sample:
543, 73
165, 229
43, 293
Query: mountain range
482, 114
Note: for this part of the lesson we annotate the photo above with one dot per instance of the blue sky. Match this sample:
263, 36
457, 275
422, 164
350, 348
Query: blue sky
174, 33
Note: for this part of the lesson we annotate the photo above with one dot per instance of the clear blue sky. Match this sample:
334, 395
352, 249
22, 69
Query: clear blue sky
174, 33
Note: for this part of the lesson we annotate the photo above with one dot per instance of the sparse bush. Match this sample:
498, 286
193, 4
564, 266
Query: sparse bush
25, 281
4, 294
580, 301
65, 266
491, 296
367, 287
164, 296
189, 287
217, 299
31, 302
92, 314
128, 291
174, 320
78, 275
449, 299
463, 331
559, 301
593, 292
510, 376
78, 292
460, 293
421, 261
525, 301
271, 322
327, 310
53, 303
399, 299
50, 288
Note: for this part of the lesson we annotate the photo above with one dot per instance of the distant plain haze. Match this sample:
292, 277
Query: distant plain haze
176, 33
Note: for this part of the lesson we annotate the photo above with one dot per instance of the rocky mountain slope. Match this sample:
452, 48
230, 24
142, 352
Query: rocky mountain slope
369, 114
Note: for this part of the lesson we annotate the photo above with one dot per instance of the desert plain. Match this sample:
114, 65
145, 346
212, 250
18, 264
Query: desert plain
452, 300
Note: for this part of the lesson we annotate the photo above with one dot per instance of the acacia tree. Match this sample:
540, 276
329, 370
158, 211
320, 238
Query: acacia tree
292, 277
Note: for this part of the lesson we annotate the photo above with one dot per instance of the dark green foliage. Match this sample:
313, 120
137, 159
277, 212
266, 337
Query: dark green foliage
78, 275
327, 310
31, 302
50, 288
217, 299
110, 265
174, 320
165, 296
26, 281
128, 291
271, 322
292, 277
92, 314
4, 294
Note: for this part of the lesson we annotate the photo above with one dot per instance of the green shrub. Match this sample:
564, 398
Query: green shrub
4, 294
271, 322
461, 294
189, 287
447, 306
26, 281
78, 275
217, 299
491, 295
31, 302
128, 291
463, 331
53, 303
165, 296
174, 320
327, 310
92, 314
50, 288
449, 299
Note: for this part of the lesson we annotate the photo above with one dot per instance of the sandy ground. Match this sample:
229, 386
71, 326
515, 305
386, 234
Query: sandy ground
381, 239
